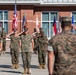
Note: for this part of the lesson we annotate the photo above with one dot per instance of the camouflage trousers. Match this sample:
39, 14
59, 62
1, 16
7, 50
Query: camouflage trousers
4, 45
42, 57
14, 56
36, 50
26, 58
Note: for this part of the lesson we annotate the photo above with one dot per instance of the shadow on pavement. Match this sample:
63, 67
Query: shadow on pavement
7, 52
34, 66
5, 66
12, 71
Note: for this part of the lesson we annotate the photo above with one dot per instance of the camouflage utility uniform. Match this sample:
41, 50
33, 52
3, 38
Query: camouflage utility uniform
14, 49
42, 41
26, 40
64, 46
4, 40
35, 37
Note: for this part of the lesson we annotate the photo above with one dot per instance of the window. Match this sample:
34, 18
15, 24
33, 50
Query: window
47, 22
4, 20
74, 20
74, 15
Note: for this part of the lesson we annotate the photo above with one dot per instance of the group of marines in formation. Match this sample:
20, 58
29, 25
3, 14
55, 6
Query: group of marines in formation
26, 43
61, 49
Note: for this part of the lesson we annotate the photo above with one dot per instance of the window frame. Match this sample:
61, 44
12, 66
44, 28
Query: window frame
72, 15
49, 21
3, 21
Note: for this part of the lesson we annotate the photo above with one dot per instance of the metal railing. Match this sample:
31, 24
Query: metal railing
40, 2
65, 1
44, 0
20, 0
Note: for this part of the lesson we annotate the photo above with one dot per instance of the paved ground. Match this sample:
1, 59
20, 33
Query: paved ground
5, 64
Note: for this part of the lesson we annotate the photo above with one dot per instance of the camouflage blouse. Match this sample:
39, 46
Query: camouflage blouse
14, 43
43, 41
64, 46
3, 34
26, 42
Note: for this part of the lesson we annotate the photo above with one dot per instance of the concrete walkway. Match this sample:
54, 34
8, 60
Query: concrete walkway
5, 64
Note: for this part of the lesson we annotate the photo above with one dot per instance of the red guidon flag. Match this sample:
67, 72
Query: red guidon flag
54, 27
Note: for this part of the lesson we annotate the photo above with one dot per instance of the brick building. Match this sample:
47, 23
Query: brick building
45, 9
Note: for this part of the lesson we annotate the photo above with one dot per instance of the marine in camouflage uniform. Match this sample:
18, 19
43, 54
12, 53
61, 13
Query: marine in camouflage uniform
35, 37
3, 35
42, 41
14, 50
64, 46
26, 48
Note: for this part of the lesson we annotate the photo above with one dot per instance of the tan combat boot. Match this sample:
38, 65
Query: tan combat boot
44, 67
24, 71
28, 71
13, 66
40, 66
16, 66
